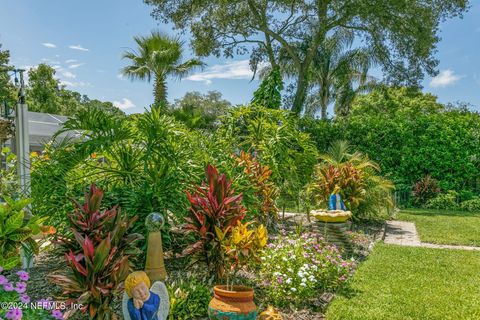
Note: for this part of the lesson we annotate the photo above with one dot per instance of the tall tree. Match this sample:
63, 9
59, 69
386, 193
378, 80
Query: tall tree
402, 33
158, 56
43, 89
338, 73
200, 111
7, 90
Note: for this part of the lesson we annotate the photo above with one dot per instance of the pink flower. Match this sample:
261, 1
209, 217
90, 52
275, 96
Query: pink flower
24, 298
8, 287
21, 287
23, 275
1, 269
3, 280
14, 314
57, 314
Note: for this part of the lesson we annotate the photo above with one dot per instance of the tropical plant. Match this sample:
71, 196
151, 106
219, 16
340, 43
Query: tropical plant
268, 93
158, 57
8, 175
214, 208
338, 74
200, 111
472, 205
425, 189
365, 193
273, 136
265, 193
98, 253
16, 231
445, 201
295, 268
189, 299
242, 247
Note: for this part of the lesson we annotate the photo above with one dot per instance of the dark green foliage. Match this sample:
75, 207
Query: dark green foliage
8, 94
189, 299
200, 111
410, 135
273, 136
269, 93
444, 201
401, 34
472, 205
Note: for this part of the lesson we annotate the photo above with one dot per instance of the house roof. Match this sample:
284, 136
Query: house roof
42, 127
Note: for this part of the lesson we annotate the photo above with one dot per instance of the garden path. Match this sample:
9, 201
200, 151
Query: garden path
404, 233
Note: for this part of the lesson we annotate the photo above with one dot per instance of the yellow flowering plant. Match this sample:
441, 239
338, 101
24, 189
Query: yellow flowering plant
242, 246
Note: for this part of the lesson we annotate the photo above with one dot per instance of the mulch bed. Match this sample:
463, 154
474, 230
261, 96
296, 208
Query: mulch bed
39, 287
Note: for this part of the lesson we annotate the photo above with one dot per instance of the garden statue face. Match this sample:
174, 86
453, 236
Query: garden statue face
141, 292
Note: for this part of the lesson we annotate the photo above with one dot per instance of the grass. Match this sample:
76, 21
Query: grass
412, 283
445, 227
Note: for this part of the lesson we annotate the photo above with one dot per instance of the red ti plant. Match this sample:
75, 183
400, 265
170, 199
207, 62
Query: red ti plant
214, 207
425, 189
97, 253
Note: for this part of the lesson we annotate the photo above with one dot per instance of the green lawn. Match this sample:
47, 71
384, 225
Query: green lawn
445, 227
412, 283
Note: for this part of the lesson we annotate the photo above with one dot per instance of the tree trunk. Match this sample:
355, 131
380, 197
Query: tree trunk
324, 112
160, 90
300, 93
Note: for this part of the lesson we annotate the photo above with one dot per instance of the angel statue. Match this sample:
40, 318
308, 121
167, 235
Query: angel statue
142, 302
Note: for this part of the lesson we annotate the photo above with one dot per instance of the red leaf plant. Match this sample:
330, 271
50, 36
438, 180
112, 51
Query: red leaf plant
213, 205
97, 252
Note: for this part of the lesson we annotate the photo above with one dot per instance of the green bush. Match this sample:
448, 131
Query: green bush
471, 205
445, 201
189, 299
409, 134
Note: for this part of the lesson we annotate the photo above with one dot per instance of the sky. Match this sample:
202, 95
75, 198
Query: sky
84, 41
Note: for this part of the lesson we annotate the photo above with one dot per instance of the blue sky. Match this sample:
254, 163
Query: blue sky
84, 41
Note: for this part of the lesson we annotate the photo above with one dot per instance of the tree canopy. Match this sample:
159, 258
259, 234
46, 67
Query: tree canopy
402, 33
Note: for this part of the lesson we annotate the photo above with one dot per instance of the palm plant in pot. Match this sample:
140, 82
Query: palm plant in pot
223, 243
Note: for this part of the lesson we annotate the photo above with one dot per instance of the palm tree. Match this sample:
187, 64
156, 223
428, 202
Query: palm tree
157, 57
337, 74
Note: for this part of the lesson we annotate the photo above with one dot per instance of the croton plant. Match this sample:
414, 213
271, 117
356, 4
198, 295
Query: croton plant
213, 206
98, 253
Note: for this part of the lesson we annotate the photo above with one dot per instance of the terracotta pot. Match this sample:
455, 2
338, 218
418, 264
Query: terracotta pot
236, 304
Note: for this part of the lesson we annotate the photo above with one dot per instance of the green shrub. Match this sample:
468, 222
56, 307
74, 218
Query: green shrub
297, 268
16, 231
445, 201
189, 299
471, 205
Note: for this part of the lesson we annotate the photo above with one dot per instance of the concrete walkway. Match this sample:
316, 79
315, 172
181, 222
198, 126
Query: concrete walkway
405, 234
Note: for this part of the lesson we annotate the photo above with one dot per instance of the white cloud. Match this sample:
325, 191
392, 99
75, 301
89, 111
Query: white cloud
70, 61
444, 79
75, 84
57, 67
49, 45
231, 70
125, 104
68, 74
74, 66
78, 47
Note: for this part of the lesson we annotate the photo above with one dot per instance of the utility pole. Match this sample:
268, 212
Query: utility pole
22, 143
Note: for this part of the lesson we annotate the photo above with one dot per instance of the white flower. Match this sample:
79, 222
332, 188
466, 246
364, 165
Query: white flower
289, 270
303, 284
263, 258
288, 281
293, 289
284, 259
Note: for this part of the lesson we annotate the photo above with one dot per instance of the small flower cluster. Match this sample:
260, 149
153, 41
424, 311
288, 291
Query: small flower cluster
14, 295
296, 268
